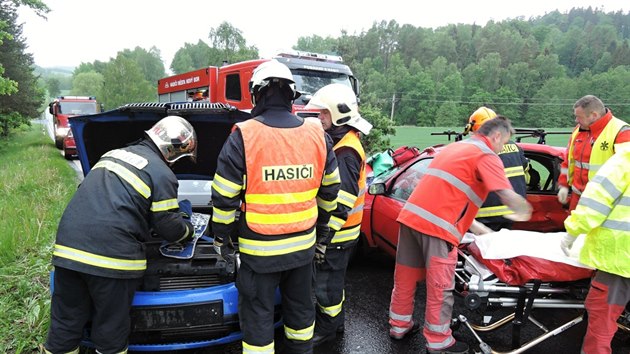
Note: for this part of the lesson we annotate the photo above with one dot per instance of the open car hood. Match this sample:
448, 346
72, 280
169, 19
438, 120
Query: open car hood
96, 134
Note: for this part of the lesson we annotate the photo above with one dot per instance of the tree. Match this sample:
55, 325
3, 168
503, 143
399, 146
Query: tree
230, 41
378, 139
123, 82
149, 62
88, 84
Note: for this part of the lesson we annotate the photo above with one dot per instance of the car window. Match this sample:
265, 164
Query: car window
407, 180
543, 173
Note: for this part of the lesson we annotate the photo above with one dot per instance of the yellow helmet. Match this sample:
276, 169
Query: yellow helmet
478, 117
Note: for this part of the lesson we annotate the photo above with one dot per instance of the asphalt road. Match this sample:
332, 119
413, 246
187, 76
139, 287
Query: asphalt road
368, 291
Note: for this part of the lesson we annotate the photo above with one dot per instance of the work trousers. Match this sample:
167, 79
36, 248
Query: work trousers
79, 299
329, 286
605, 302
421, 257
256, 293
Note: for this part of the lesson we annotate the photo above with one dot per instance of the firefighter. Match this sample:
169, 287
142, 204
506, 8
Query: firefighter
98, 254
439, 211
602, 214
281, 171
592, 143
515, 164
340, 118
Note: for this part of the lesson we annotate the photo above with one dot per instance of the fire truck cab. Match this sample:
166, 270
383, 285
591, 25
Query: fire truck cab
229, 84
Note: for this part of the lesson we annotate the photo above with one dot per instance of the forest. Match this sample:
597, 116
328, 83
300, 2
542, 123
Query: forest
530, 70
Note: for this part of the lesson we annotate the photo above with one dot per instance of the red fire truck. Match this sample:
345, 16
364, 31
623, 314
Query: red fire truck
64, 107
230, 83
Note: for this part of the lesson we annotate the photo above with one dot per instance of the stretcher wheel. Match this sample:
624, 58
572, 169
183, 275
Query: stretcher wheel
472, 301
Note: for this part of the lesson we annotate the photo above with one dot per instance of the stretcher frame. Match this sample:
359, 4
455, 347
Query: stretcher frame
476, 291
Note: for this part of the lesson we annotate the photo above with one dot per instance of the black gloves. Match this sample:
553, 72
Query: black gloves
322, 234
185, 208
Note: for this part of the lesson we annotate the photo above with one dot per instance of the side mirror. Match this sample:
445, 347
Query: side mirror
50, 108
377, 188
102, 107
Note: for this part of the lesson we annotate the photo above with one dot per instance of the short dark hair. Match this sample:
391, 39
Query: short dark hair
498, 123
590, 103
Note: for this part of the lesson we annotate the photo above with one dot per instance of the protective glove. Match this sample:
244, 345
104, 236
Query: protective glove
563, 195
566, 243
320, 253
223, 246
322, 231
185, 208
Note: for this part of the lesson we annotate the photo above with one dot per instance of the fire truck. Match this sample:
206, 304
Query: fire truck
229, 83
64, 107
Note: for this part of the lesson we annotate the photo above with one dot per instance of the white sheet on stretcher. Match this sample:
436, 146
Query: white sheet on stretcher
513, 243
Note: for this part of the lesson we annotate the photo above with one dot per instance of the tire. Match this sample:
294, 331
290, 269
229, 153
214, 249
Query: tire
59, 142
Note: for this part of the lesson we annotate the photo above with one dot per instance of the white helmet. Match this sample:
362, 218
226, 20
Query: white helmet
268, 72
175, 138
342, 103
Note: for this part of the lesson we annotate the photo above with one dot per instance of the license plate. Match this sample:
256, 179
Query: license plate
177, 316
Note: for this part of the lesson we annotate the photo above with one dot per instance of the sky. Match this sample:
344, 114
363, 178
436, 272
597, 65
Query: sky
77, 31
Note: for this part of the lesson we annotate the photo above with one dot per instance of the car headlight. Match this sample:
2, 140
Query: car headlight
62, 131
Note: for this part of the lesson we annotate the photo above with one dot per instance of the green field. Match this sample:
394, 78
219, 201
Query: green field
421, 136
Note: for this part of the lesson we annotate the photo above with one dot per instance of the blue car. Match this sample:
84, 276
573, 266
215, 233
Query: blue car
183, 303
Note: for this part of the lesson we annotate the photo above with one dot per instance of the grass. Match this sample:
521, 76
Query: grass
421, 136
36, 183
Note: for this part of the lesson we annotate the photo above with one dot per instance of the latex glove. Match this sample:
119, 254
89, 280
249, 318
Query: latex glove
566, 243
223, 247
320, 253
563, 195
185, 208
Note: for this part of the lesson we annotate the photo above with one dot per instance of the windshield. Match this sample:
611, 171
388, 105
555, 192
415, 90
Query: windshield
308, 81
78, 108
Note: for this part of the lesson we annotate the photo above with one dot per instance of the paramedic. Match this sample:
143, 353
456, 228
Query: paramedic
515, 164
602, 214
99, 254
440, 210
284, 171
340, 118
592, 143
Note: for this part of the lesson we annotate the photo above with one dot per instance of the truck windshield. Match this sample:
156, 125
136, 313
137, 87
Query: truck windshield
78, 108
309, 81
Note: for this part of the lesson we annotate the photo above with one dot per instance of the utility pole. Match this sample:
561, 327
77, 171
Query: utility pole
391, 117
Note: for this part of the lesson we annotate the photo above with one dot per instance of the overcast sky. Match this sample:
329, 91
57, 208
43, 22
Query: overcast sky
79, 31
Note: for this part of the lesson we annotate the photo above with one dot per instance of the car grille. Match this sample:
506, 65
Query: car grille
189, 282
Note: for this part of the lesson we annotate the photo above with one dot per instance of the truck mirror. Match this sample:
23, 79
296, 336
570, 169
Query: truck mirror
50, 109
377, 188
102, 107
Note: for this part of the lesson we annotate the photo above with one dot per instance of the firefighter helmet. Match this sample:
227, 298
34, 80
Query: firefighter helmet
271, 71
342, 104
478, 117
175, 138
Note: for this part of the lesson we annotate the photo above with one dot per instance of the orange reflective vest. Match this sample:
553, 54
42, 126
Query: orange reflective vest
282, 183
447, 198
351, 228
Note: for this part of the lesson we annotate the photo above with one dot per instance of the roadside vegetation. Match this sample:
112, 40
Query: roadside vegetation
36, 183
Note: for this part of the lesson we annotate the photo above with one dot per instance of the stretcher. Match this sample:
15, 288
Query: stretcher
510, 273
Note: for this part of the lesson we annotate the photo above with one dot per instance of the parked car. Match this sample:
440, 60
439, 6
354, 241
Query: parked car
181, 303
389, 191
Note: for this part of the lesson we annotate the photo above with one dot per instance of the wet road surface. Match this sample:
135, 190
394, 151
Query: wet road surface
368, 291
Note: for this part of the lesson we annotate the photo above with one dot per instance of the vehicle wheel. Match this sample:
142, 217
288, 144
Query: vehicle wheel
59, 142
66, 155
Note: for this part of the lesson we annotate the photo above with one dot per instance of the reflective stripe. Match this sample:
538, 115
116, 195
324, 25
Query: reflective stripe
266, 349
282, 218
164, 205
126, 175
333, 310
514, 171
121, 352
346, 235
129, 157
617, 225
443, 344
595, 205
326, 204
281, 198
582, 165
608, 186
99, 261
457, 183
332, 178
223, 216
355, 210
346, 198
480, 144
434, 219
278, 247
438, 328
494, 211
226, 188
625, 201
299, 334
564, 171
399, 330
335, 223
76, 351
394, 316
576, 191
594, 168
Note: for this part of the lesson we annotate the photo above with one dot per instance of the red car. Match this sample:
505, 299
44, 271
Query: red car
389, 191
